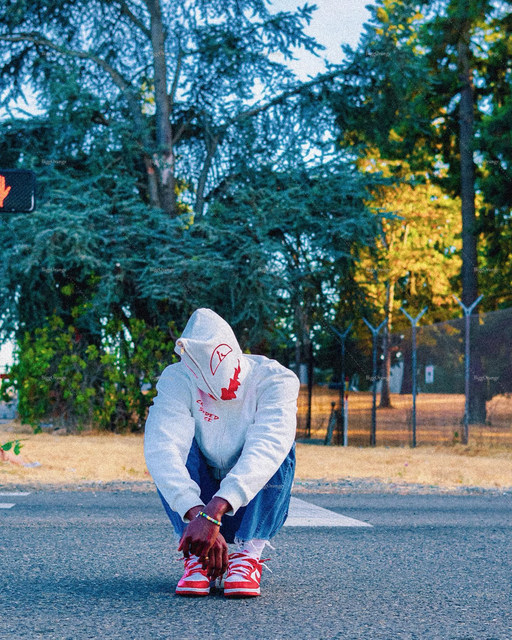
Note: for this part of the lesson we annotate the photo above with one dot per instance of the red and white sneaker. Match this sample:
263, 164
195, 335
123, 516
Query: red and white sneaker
194, 581
243, 576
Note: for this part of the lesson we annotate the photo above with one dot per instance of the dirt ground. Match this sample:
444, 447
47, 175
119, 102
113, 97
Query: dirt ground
47, 458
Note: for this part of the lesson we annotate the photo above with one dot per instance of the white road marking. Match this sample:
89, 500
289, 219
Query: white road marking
11, 494
14, 493
305, 514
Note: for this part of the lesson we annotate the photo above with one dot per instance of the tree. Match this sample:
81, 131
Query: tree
184, 77
271, 256
286, 242
416, 262
418, 70
412, 95
178, 168
495, 144
99, 140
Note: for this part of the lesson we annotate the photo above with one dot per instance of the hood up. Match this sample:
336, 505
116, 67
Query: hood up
209, 349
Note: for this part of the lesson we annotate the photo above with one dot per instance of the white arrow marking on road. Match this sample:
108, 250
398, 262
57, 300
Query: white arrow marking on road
305, 514
6, 505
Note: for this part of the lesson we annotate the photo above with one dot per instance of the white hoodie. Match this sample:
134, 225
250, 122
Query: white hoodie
241, 410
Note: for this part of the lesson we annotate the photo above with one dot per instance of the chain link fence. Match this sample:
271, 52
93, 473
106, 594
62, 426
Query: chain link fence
440, 383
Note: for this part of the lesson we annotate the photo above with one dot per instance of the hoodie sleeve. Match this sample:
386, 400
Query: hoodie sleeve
168, 436
269, 438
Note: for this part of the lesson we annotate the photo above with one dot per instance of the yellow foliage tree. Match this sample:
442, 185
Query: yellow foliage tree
417, 259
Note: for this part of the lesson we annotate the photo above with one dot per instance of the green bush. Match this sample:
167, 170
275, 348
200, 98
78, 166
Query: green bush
62, 379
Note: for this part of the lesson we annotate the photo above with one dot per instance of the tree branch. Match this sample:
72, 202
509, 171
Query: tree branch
253, 111
201, 185
181, 129
119, 81
117, 77
37, 38
125, 10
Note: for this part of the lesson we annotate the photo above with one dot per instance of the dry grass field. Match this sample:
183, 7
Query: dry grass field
447, 467
438, 418
96, 457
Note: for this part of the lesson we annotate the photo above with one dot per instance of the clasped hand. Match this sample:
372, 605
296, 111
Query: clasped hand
203, 539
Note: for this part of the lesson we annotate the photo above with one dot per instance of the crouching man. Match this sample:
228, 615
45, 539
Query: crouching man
219, 444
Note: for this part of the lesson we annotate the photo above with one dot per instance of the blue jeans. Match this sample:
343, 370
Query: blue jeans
261, 518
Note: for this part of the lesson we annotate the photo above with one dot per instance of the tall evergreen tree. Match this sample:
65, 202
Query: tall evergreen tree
185, 77
418, 92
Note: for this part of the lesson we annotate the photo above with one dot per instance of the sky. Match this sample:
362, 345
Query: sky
335, 22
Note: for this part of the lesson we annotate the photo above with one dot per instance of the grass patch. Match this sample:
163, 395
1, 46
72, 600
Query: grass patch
106, 457
447, 467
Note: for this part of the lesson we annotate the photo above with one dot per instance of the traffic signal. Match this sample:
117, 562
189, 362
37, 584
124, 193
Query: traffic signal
17, 191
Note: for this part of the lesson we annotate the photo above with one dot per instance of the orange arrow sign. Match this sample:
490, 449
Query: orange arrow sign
4, 191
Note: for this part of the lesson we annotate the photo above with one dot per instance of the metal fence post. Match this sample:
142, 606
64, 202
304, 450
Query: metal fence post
414, 323
343, 419
311, 370
467, 344
375, 333
345, 415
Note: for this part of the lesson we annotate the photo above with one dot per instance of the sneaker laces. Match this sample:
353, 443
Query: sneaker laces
192, 565
245, 564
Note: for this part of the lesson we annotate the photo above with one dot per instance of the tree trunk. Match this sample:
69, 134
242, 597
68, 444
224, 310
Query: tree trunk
477, 410
201, 184
152, 182
467, 179
163, 159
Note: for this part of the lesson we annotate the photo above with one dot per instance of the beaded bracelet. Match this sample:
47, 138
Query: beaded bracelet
205, 515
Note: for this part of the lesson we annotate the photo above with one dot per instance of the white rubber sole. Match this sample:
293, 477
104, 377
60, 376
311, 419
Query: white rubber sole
191, 591
241, 592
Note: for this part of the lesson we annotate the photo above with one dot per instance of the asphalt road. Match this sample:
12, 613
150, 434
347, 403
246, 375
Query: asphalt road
87, 565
